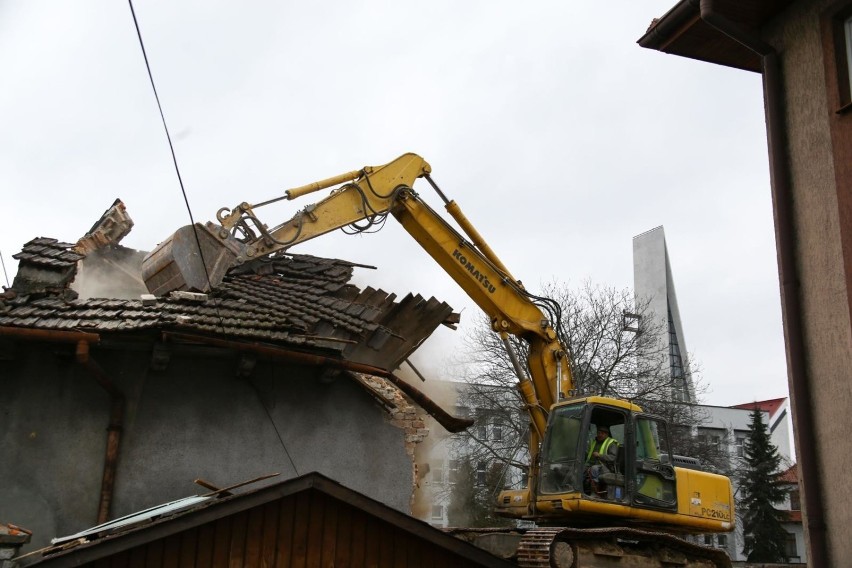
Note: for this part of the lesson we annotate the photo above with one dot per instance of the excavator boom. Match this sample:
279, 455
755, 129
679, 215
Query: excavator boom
197, 258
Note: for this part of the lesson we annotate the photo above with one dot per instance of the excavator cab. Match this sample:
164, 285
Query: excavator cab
641, 483
641, 474
566, 454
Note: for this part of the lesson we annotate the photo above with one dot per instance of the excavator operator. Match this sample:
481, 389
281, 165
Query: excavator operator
602, 454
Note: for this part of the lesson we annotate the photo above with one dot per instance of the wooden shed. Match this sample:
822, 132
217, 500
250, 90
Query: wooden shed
309, 521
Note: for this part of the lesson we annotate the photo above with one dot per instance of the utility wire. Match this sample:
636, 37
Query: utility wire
197, 240
4, 269
272, 422
174, 156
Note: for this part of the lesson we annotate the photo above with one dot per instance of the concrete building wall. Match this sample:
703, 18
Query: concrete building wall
653, 285
819, 226
737, 420
196, 419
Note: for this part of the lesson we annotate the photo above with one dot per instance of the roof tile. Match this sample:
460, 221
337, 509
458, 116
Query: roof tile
296, 300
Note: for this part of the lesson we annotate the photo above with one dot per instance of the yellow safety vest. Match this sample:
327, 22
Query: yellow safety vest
604, 447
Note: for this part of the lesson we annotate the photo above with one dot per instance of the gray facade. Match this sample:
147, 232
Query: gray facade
196, 419
654, 288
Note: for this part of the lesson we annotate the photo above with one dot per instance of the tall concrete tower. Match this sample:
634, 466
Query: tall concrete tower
653, 284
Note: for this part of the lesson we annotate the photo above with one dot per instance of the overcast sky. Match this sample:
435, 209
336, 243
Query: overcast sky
558, 135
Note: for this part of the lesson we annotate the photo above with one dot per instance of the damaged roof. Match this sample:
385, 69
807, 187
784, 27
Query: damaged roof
299, 300
293, 301
49, 253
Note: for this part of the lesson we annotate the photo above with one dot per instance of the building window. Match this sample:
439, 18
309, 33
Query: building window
795, 500
739, 443
497, 432
712, 438
838, 31
481, 468
722, 540
680, 389
437, 512
790, 548
438, 472
708, 540
482, 432
847, 36
454, 471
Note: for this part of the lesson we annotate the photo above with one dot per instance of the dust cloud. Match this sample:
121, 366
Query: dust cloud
112, 272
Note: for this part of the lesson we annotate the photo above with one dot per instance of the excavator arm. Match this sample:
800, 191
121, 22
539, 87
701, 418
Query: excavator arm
364, 196
367, 196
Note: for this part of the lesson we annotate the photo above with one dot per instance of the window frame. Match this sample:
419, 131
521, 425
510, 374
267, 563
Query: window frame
497, 431
438, 472
791, 546
481, 473
839, 18
795, 500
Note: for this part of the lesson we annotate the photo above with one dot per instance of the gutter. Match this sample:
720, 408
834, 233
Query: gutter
782, 199
668, 26
83, 343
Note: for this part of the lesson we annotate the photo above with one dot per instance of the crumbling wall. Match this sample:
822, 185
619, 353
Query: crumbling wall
403, 415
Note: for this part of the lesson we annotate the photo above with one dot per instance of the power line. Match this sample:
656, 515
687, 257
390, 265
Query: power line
4, 269
174, 157
195, 230
274, 425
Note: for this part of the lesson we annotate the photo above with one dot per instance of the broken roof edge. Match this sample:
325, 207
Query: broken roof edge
450, 423
212, 510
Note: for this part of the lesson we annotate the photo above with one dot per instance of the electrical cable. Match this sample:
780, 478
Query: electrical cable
4, 269
195, 230
174, 158
274, 426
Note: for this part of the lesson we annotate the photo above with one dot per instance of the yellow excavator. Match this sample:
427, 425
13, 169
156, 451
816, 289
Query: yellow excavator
644, 495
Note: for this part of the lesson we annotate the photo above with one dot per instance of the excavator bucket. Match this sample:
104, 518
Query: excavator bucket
179, 262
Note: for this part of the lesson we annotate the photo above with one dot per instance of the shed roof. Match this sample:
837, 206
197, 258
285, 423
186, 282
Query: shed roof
253, 508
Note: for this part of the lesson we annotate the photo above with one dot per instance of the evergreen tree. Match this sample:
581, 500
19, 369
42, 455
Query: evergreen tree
472, 497
761, 490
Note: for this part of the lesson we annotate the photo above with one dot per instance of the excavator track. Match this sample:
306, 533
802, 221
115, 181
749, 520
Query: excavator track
538, 549
556, 547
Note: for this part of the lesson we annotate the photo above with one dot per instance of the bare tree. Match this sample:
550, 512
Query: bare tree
614, 351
